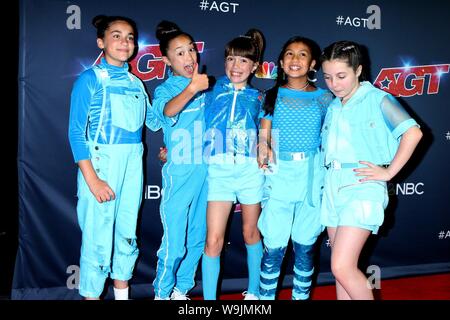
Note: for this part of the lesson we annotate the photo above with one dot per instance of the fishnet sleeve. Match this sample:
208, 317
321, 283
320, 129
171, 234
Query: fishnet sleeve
396, 117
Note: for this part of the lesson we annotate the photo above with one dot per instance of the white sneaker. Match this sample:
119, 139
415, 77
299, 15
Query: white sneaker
249, 296
178, 295
159, 298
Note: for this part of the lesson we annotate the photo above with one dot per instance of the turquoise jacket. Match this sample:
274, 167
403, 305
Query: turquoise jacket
183, 133
232, 119
368, 127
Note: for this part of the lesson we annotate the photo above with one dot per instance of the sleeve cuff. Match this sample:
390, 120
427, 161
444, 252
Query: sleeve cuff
403, 127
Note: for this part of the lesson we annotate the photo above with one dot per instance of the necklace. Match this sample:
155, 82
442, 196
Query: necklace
298, 89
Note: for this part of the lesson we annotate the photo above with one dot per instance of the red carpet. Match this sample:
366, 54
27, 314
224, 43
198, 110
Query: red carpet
433, 287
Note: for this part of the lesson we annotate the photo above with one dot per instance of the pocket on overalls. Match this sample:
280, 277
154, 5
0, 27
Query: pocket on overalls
128, 110
266, 191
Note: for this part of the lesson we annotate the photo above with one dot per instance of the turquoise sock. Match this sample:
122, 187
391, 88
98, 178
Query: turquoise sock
254, 256
210, 276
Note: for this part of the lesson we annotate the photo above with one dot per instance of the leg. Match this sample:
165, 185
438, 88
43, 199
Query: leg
347, 245
121, 290
125, 246
217, 217
250, 216
96, 247
303, 270
305, 231
253, 244
196, 236
275, 224
270, 271
120, 284
341, 294
174, 217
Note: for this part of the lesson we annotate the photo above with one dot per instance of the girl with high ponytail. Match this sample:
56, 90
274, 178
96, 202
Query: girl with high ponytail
232, 119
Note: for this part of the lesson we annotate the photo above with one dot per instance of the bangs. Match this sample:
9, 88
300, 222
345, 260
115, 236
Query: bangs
241, 47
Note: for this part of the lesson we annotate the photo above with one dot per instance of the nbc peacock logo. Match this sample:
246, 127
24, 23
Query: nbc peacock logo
267, 70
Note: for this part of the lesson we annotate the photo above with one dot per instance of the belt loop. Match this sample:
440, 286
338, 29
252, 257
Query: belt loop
336, 165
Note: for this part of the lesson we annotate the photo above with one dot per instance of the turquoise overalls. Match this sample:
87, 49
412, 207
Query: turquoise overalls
110, 103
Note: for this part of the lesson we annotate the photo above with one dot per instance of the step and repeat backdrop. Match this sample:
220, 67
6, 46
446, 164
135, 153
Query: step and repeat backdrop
409, 56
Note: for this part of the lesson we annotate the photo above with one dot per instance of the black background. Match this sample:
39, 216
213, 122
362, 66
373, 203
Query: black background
9, 209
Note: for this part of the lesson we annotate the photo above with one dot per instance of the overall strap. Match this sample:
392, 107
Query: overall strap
103, 77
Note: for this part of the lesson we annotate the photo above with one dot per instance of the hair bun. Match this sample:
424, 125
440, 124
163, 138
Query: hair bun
97, 20
165, 28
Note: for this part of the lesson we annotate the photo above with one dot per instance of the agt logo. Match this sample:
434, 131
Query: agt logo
267, 70
371, 22
226, 7
409, 81
148, 64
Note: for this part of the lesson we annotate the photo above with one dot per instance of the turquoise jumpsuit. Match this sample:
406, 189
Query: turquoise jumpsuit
184, 190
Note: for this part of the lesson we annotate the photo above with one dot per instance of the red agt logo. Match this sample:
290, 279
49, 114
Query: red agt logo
148, 64
409, 81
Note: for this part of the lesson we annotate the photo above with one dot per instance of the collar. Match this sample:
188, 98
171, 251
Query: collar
364, 88
114, 69
225, 83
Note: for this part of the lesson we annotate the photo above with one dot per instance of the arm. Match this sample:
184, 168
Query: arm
403, 128
198, 83
80, 104
408, 143
81, 96
151, 120
264, 146
99, 188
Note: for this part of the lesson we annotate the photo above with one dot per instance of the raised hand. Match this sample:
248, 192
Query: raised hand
199, 81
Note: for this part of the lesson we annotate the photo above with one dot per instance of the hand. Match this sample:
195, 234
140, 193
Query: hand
199, 81
101, 191
162, 155
373, 172
265, 155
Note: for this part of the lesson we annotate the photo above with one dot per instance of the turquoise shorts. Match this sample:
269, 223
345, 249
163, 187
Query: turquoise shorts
232, 178
347, 202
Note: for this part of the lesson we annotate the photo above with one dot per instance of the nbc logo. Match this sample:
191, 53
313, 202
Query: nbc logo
267, 70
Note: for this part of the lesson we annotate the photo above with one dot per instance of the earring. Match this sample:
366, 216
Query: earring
314, 78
